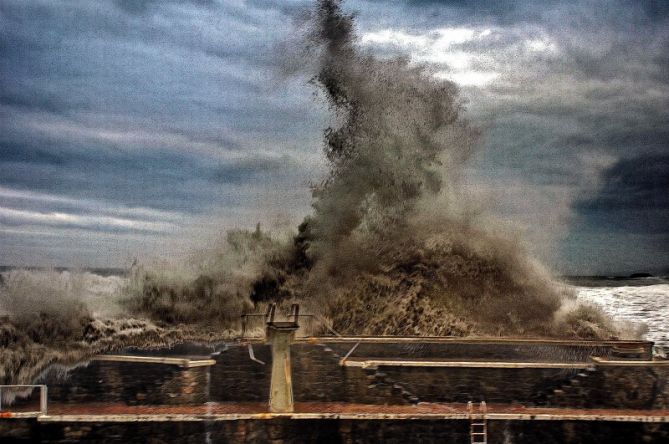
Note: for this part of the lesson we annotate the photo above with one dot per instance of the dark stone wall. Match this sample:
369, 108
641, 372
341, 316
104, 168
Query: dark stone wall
633, 387
317, 376
493, 385
236, 378
129, 383
625, 387
333, 431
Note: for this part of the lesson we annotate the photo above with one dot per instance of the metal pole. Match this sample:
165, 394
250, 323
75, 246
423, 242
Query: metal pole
253, 356
350, 352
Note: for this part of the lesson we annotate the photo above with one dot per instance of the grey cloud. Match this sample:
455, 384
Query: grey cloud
251, 169
142, 6
287, 7
601, 92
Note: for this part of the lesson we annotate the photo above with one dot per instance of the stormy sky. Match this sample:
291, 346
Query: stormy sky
140, 127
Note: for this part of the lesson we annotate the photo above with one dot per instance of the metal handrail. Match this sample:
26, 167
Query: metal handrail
42, 396
253, 356
268, 315
332, 330
350, 352
293, 312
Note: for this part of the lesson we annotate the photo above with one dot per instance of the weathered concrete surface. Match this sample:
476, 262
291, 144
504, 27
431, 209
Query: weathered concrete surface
315, 410
280, 336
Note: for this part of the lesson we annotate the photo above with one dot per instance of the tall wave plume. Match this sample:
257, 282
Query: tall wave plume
389, 248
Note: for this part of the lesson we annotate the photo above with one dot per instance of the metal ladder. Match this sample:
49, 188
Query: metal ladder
478, 427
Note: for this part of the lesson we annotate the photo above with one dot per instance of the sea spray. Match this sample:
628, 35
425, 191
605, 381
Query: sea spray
60, 317
390, 247
214, 287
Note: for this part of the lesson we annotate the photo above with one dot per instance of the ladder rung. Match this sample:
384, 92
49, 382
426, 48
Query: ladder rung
478, 430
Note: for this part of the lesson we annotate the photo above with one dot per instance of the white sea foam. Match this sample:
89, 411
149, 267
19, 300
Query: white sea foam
31, 291
639, 304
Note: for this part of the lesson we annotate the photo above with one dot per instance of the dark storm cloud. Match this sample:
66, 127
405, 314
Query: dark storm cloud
117, 108
653, 9
634, 196
579, 88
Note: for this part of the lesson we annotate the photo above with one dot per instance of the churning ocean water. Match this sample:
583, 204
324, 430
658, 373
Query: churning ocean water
640, 301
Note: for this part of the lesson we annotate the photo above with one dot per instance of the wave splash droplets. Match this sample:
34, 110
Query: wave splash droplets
390, 247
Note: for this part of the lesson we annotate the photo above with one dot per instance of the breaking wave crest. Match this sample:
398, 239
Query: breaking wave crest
392, 245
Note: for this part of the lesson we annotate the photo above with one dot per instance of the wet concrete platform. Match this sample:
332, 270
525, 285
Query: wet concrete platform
91, 412
366, 362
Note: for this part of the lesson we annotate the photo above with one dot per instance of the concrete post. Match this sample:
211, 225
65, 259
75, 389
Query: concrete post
280, 336
42, 399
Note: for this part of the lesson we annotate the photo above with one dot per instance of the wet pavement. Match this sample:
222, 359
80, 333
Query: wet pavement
325, 408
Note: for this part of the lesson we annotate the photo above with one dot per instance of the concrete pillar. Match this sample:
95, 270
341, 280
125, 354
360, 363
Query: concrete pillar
280, 335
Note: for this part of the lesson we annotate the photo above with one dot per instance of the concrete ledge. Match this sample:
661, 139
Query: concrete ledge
534, 416
353, 362
628, 363
468, 340
181, 362
576, 417
19, 415
102, 412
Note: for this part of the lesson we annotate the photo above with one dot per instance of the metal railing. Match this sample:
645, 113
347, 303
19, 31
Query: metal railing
293, 314
17, 390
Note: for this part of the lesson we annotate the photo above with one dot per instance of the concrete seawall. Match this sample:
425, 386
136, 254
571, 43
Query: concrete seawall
363, 390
